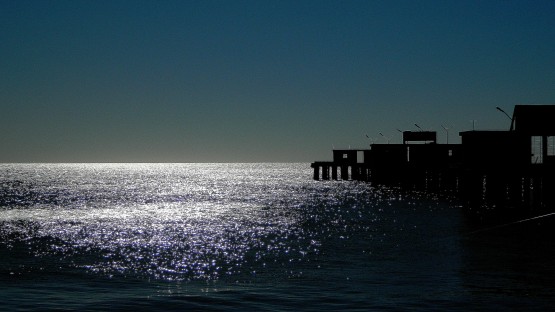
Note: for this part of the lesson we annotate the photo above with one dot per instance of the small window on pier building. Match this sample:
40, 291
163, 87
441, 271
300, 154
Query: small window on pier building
345, 156
551, 146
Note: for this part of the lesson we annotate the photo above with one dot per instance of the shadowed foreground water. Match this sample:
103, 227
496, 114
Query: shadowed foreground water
259, 236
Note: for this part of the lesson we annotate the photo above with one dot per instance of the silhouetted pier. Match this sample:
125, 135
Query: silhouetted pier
344, 166
514, 168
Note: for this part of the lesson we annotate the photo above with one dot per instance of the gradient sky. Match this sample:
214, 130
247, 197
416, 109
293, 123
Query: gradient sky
260, 81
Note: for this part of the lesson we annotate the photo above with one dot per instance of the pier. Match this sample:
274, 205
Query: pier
513, 168
345, 163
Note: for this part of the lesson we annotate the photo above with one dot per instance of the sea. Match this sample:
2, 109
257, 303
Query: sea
262, 236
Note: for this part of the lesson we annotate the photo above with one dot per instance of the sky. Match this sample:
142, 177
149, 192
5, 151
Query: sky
260, 81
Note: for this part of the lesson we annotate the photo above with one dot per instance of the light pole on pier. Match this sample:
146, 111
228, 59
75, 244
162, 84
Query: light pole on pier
386, 138
473, 121
371, 140
510, 118
401, 135
446, 130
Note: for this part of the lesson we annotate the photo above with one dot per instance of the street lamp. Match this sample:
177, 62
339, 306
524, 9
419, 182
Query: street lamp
401, 135
446, 130
417, 126
511, 119
499, 109
384, 137
371, 140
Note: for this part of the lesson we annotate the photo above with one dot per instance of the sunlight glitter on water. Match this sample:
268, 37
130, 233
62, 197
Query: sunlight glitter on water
193, 221
166, 241
236, 235
154, 226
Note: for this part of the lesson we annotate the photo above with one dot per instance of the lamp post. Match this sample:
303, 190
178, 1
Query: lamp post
446, 130
371, 140
401, 136
511, 119
417, 126
384, 137
504, 112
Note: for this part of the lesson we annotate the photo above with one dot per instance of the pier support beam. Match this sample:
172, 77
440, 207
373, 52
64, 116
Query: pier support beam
363, 174
334, 172
355, 173
325, 172
316, 172
344, 172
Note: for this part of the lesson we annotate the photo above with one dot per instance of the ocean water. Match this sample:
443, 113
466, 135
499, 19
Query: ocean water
223, 237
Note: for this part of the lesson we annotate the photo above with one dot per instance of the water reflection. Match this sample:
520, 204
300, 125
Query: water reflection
177, 221
258, 232
511, 264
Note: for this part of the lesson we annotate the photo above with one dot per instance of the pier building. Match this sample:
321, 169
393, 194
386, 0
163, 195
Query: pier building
509, 168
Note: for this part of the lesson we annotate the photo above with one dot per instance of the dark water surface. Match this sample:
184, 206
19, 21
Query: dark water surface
253, 236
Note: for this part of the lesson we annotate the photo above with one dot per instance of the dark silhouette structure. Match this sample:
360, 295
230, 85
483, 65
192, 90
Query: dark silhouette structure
419, 136
514, 168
